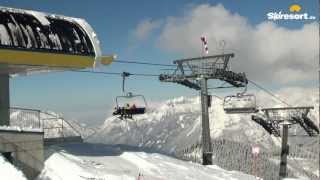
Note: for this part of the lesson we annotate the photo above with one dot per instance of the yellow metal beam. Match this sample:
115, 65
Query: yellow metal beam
19, 57
106, 60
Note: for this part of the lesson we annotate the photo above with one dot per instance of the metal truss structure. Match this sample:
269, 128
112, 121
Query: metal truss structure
190, 71
286, 115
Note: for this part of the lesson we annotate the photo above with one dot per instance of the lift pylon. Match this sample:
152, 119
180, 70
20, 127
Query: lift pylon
195, 73
286, 116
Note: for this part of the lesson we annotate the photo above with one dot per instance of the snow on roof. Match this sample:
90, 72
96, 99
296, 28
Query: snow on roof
42, 18
19, 129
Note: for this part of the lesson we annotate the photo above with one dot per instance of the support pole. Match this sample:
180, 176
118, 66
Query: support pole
319, 84
206, 138
284, 152
4, 100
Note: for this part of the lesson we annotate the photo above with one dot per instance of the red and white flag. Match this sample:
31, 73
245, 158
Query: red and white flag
205, 44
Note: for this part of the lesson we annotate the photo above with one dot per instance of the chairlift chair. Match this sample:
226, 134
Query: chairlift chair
240, 103
128, 112
122, 110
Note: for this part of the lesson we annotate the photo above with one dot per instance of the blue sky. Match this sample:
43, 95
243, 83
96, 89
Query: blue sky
85, 96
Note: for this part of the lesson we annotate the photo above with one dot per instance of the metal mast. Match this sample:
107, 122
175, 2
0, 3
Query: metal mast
319, 80
195, 73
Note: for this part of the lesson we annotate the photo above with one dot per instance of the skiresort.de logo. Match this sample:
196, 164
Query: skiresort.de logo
293, 14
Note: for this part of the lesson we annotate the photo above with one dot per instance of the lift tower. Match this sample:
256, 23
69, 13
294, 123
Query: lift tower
195, 73
286, 116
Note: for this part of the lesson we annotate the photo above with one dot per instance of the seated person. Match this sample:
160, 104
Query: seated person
133, 107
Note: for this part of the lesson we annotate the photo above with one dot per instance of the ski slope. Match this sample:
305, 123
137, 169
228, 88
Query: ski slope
103, 162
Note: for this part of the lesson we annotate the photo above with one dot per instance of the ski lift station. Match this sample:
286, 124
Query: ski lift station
35, 42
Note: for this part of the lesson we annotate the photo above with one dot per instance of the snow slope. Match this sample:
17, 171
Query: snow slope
8, 171
102, 162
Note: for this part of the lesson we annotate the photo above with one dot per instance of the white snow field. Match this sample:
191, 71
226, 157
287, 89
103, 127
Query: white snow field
9, 172
105, 162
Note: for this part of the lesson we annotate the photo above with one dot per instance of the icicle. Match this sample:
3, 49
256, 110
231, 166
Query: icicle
4, 36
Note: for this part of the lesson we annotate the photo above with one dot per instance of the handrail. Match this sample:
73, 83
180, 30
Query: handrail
72, 126
29, 117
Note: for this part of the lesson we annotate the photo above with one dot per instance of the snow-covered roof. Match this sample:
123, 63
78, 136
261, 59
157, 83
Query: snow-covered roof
45, 40
19, 129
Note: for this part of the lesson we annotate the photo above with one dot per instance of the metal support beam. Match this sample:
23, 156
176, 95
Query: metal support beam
4, 100
284, 152
206, 138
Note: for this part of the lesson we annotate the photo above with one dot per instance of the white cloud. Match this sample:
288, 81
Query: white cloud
144, 28
267, 52
295, 96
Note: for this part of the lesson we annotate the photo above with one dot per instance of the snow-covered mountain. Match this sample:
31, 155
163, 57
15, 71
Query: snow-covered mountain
176, 124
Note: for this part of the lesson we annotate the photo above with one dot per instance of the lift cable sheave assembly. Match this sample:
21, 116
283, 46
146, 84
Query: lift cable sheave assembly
274, 117
188, 72
125, 110
32, 41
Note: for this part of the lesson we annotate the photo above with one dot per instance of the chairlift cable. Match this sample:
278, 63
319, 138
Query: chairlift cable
269, 92
143, 63
156, 75
115, 73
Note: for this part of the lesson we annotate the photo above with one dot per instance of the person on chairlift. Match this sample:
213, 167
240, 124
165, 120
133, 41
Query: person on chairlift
133, 106
127, 112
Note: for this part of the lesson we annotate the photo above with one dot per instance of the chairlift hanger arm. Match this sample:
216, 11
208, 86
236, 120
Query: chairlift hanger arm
124, 75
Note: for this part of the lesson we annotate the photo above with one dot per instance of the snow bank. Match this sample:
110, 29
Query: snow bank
87, 161
8, 171
59, 167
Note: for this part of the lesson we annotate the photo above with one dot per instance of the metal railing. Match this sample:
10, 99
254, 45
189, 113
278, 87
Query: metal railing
25, 118
53, 125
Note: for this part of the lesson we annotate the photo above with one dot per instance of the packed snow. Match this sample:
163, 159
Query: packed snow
98, 161
8, 171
